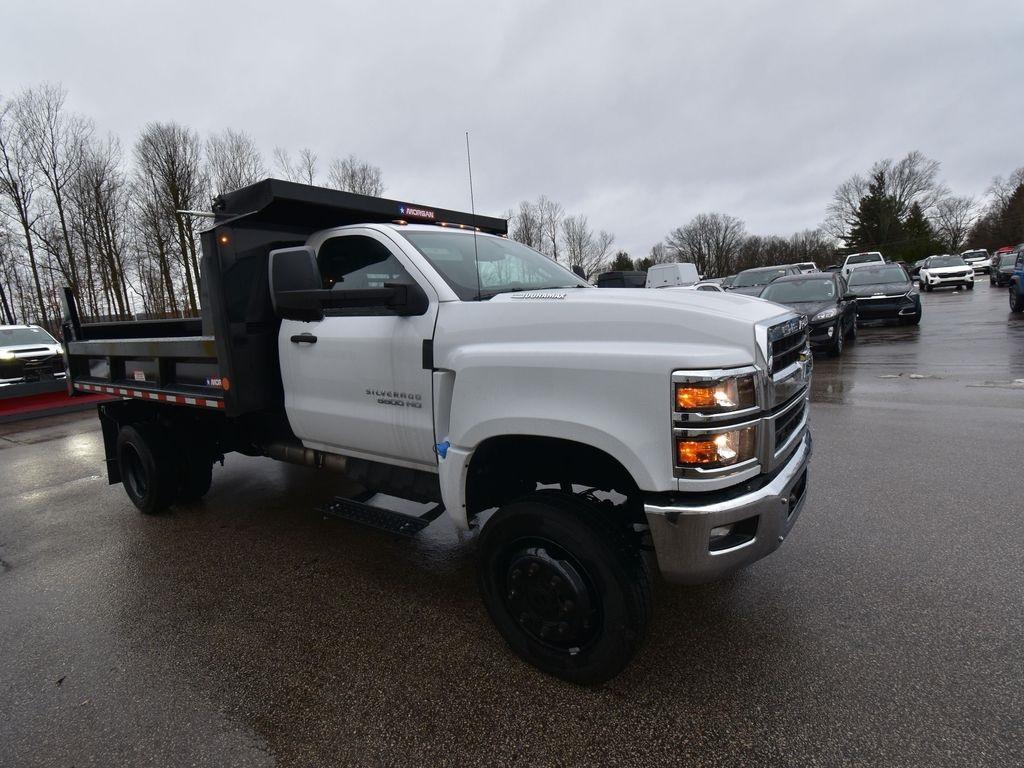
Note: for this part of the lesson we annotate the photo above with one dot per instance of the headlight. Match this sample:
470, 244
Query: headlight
714, 451
913, 293
7, 356
727, 394
825, 314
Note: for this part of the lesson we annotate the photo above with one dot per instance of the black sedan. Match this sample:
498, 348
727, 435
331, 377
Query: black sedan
885, 292
831, 312
751, 281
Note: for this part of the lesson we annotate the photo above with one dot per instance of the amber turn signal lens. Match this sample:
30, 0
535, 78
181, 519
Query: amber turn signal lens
697, 452
691, 398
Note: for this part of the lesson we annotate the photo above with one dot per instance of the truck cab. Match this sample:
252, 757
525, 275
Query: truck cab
427, 356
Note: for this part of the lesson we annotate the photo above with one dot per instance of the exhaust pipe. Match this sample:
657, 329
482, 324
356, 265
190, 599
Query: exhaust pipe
295, 453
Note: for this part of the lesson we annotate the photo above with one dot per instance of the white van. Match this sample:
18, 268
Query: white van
671, 275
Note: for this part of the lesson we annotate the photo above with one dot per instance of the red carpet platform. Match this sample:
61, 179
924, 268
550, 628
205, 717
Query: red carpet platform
42, 398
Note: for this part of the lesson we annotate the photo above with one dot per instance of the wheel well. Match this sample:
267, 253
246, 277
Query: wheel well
507, 467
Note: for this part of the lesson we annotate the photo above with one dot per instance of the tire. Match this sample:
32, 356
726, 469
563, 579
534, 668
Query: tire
567, 589
1016, 303
146, 466
970, 286
991, 279
195, 474
837, 344
851, 335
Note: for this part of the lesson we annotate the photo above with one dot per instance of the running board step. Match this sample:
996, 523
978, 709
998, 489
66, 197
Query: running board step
380, 518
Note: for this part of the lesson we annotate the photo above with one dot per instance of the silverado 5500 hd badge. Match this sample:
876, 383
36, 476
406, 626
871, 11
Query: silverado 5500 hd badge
401, 399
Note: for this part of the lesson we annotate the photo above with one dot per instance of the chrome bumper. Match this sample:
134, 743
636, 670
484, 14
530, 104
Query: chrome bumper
762, 518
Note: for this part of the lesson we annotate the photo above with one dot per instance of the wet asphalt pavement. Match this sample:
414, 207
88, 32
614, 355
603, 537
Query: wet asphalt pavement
246, 630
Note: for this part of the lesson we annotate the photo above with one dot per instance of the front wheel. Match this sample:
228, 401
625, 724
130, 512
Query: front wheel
837, 345
970, 286
1016, 303
566, 587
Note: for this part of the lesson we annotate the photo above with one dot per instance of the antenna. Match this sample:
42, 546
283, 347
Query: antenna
472, 205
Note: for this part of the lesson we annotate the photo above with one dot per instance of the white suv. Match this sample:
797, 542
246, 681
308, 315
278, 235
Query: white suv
948, 269
979, 260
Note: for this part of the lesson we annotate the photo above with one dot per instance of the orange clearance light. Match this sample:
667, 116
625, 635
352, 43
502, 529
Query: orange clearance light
689, 398
692, 452
224, 239
225, 384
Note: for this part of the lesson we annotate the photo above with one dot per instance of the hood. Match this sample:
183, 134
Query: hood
808, 308
636, 329
749, 290
875, 289
31, 350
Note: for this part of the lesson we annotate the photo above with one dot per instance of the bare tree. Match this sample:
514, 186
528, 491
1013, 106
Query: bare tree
659, 254
353, 175
233, 160
19, 183
952, 219
302, 169
526, 226
168, 163
1001, 190
56, 140
551, 215
711, 242
582, 248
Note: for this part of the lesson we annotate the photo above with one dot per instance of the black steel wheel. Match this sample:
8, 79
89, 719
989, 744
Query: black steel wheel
566, 588
146, 468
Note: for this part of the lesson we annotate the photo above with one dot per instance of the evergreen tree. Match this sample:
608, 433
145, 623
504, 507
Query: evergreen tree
877, 221
919, 238
622, 262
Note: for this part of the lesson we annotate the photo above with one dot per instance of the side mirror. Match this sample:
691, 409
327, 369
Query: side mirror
295, 282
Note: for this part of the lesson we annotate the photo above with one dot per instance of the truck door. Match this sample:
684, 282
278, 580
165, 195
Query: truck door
354, 382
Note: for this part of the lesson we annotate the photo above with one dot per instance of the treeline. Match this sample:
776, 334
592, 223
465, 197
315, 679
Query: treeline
77, 208
903, 209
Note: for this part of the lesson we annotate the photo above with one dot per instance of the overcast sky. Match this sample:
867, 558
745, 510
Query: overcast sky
639, 115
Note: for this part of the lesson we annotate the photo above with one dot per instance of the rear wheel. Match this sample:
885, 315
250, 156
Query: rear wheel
143, 456
566, 587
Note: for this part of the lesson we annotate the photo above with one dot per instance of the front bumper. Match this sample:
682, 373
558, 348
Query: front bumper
887, 307
759, 518
937, 280
822, 334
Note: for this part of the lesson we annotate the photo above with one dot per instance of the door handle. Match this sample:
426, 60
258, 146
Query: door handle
304, 338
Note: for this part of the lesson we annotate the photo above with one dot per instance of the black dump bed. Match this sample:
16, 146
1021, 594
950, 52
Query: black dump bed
228, 359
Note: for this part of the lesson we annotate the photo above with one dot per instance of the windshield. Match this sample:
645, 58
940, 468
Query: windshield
503, 265
874, 275
975, 255
791, 291
864, 258
945, 261
13, 337
757, 277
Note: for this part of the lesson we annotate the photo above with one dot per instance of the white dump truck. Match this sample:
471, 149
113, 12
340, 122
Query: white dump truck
428, 357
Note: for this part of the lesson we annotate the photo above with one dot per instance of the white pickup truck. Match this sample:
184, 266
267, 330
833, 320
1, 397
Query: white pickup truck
442, 363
